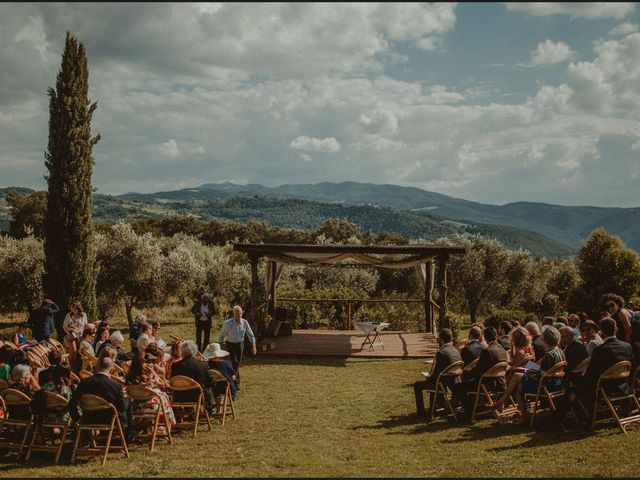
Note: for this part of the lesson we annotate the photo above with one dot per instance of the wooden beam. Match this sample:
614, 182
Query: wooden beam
428, 310
272, 291
254, 286
423, 249
442, 287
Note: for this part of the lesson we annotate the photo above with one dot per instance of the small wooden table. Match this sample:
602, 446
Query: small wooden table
372, 327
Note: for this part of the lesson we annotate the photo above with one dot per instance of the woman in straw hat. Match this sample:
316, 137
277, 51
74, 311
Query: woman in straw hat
216, 359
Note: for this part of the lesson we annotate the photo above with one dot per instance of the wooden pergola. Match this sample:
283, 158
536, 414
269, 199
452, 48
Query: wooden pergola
424, 254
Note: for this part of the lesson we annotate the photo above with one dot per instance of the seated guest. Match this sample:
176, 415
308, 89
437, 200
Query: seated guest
116, 340
216, 358
155, 329
135, 331
86, 347
175, 355
6, 354
101, 385
20, 337
446, 355
24, 381
60, 383
614, 305
55, 359
635, 341
101, 337
156, 360
590, 337
145, 338
42, 321
547, 321
574, 351
490, 356
520, 346
523, 383
573, 321
503, 331
561, 319
194, 369
539, 347
612, 351
483, 342
473, 348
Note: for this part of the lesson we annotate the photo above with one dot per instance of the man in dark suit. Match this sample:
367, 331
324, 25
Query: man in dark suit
41, 321
503, 330
490, 356
101, 385
446, 355
574, 352
473, 348
196, 370
605, 356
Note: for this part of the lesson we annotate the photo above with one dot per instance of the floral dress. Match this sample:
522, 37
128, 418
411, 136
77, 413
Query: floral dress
62, 415
152, 381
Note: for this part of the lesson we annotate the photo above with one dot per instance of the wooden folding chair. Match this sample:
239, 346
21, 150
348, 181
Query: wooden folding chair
523, 361
224, 402
557, 371
619, 371
87, 359
92, 404
582, 366
85, 374
499, 370
56, 344
468, 367
175, 339
180, 383
9, 429
75, 379
44, 429
452, 371
158, 419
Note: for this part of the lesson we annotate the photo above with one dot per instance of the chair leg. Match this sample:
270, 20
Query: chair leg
106, 448
154, 434
27, 429
197, 419
475, 406
36, 431
75, 445
125, 447
613, 412
64, 435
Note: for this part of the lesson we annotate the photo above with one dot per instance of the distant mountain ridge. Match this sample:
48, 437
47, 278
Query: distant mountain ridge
541, 228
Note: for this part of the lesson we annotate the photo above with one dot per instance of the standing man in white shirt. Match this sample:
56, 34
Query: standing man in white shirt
233, 331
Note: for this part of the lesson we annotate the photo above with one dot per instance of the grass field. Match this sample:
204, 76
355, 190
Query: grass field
349, 418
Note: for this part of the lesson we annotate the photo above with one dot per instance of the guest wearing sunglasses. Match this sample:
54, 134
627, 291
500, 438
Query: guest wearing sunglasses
614, 305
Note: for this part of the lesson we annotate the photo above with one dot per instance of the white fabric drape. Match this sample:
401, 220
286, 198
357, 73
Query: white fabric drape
317, 258
421, 271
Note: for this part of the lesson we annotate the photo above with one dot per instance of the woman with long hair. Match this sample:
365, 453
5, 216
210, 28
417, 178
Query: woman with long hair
73, 325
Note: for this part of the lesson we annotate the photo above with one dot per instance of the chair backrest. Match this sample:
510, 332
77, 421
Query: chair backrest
199, 356
497, 371
617, 371
471, 364
582, 366
557, 371
85, 374
35, 361
175, 339
180, 383
522, 362
217, 376
54, 401
453, 370
140, 392
94, 403
75, 378
13, 397
117, 369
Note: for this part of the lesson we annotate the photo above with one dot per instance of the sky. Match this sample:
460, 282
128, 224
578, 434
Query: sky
490, 102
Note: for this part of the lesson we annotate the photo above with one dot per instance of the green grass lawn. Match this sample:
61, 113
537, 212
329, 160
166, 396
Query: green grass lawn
350, 418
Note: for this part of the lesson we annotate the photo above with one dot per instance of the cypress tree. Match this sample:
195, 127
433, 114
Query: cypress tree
69, 251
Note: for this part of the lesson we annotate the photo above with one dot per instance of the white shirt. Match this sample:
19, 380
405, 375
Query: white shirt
74, 325
204, 310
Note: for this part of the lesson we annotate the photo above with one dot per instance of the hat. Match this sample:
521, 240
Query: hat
214, 350
589, 323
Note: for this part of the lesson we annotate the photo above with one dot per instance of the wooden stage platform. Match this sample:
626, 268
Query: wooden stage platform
346, 343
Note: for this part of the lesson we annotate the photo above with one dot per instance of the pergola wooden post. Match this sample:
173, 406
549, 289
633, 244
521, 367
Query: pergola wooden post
253, 257
442, 288
272, 293
428, 310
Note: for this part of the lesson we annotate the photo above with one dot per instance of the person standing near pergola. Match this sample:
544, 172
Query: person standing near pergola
233, 331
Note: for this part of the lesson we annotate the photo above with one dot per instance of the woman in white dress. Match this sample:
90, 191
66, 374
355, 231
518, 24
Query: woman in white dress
74, 323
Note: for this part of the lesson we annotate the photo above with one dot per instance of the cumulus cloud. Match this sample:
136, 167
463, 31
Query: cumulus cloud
588, 10
549, 53
623, 29
310, 144
170, 149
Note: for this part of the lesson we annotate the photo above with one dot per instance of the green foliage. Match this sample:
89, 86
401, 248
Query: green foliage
605, 265
69, 251
21, 269
457, 322
501, 315
27, 212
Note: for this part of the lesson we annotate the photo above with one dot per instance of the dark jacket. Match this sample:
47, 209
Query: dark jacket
505, 342
539, 347
41, 321
225, 368
102, 386
574, 353
604, 356
196, 370
471, 351
444, 357
196, 311
490, 356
